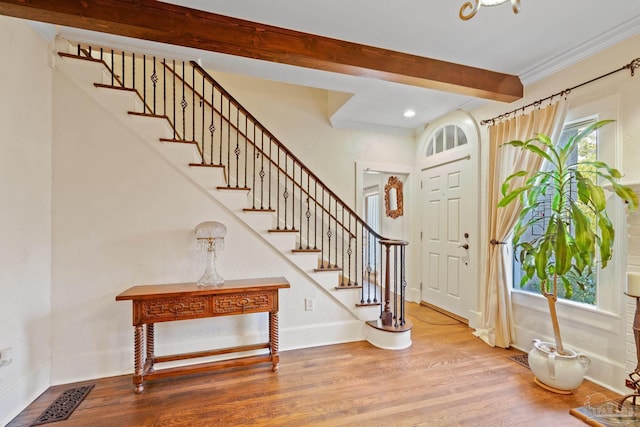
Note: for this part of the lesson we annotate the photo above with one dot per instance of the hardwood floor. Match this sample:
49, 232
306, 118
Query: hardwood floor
446, 378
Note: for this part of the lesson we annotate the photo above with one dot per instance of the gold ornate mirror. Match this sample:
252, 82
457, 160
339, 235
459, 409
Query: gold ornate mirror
393, 197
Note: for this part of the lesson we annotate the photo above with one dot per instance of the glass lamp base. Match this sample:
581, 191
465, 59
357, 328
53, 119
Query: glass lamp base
210, 278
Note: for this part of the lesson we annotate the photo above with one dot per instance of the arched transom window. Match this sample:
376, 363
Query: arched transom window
446, 138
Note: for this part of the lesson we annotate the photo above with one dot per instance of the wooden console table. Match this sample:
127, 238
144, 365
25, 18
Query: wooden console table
182, 301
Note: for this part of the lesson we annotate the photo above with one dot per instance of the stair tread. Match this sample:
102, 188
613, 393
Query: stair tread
309, 250
180, 141
74, 56
336, 268
224, 187
106, 86
368, 304
341, 287
282, 230
258, 210
205, 165
157, 116
391, 328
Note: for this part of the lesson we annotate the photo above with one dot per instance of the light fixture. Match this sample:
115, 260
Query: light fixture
468, 10
409, 113
210, 238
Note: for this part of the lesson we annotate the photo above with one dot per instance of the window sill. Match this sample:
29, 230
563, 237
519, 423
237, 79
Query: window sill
568, 311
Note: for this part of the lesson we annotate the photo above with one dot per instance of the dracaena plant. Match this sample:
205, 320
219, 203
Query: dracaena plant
577, 233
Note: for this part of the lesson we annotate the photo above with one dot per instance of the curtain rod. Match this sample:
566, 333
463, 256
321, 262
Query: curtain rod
630, 66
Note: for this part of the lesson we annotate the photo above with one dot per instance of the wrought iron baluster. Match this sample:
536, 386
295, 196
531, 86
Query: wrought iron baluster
123, 75
285, 194
336, 239
246, 150
300, 206
193, 103
221, 126
329, 233
229, 139
308, 213
133, 69
144, 84
315, 214
322, 230
164, 87
293, 195
154, 80
370, 248
395, 285
342, 281
349, 252
202, 104
173, 74
253, 174
184, 105
212, 126
236, 151
113, 68
278, 187
403, 284
269, 164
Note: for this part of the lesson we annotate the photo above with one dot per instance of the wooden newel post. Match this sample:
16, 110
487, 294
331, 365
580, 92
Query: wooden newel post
387, 317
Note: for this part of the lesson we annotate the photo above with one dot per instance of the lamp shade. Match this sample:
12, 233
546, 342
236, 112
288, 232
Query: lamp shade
211, 230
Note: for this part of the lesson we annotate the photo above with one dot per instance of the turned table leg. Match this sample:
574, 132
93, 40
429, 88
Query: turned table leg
273, 339
138, 359
150, 345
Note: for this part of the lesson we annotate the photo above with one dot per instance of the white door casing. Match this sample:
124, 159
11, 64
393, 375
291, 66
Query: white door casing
450, 213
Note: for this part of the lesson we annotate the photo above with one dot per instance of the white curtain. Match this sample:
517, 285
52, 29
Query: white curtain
496, 327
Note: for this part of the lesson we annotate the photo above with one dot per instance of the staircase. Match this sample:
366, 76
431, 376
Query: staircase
222, 148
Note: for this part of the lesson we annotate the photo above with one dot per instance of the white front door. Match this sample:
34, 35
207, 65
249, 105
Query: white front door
450, 216
446, 237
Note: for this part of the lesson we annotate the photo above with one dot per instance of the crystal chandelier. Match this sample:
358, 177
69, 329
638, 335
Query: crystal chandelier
469, 10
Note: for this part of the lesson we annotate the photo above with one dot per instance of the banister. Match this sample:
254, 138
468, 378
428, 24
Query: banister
280, 144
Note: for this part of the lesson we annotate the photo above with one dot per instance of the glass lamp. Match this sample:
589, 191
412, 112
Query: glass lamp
210, 238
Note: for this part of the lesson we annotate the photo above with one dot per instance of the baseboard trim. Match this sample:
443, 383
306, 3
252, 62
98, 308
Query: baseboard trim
18, 396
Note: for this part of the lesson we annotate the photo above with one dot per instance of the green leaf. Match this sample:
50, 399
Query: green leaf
626, 194
562, 255
510, 197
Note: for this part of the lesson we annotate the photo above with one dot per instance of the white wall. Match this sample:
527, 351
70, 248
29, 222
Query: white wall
599, 334
25, 215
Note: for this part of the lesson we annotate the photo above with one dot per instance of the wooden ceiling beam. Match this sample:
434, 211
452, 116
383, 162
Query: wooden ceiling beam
178, 25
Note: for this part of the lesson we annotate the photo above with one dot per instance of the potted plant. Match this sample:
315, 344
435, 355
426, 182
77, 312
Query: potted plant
575, 235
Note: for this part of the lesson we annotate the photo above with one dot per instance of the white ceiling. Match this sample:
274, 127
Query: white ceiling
545, 36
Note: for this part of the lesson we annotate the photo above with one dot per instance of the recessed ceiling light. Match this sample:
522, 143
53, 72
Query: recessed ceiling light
409, 113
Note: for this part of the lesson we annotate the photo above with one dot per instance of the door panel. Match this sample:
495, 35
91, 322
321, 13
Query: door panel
446, 259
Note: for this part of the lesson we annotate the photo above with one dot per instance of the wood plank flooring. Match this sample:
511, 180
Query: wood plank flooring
446, 378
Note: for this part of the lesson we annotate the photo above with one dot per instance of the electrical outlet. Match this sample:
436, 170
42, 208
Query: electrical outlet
308, 304
5, 357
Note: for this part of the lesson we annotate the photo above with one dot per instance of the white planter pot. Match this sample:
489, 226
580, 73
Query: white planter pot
561, 372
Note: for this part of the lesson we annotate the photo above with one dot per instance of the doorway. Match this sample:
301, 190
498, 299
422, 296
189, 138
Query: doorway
450, 214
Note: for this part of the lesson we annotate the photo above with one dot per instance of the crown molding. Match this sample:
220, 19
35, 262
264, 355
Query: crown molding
583, 51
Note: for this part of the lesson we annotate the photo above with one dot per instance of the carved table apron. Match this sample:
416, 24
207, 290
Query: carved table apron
182, 301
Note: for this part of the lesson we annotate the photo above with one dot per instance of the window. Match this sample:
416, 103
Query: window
446, 138
586, 150
372, 210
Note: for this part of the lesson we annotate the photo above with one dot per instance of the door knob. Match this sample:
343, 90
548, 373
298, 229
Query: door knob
466, 246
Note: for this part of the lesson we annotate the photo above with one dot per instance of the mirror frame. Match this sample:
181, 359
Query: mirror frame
393, 183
